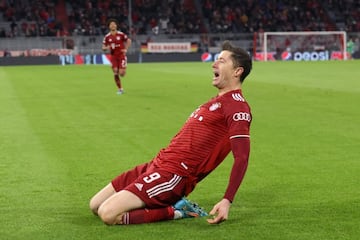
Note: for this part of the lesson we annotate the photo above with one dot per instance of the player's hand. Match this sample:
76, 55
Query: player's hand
220, 212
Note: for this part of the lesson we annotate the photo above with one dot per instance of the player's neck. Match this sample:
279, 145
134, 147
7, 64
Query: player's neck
113, 32
222, 91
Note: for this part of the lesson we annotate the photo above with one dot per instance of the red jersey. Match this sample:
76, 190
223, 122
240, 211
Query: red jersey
204, 140
116, 42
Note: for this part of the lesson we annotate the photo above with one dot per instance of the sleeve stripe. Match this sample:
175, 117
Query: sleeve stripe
238, 136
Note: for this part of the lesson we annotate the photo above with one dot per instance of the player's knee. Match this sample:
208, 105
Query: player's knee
94, 206
106, 216
122, 73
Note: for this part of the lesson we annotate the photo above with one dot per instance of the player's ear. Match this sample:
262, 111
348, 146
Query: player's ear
238, 71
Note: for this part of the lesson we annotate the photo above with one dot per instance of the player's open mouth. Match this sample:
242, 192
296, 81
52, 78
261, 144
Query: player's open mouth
216, 75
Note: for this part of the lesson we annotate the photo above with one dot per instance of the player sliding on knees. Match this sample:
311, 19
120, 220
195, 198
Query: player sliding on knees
154, 191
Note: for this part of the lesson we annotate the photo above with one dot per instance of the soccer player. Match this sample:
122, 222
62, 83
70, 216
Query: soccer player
118, 43
153, 191
350, 48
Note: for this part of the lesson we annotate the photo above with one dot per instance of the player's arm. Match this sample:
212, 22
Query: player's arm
241, 149
127, 45
105, 47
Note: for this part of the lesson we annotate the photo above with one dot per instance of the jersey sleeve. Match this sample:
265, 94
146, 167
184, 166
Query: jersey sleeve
241, 150
104, 41
238, 119
125, 37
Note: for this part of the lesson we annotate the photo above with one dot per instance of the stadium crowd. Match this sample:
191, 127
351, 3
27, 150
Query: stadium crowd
298, 15
88, 17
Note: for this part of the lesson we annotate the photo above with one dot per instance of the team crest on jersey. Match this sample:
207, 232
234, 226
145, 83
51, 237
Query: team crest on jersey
215, 106
238, 97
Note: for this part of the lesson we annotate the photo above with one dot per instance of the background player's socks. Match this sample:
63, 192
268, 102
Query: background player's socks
117, 81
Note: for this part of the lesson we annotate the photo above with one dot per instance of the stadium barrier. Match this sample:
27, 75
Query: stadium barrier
132, 58
97, 59
160, 57
18, 61
301, 56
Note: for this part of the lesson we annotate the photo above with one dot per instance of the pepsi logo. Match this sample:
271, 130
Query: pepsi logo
286, 55
206, 57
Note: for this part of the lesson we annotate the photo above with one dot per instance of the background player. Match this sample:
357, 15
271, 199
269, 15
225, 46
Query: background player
118, 43
150, 191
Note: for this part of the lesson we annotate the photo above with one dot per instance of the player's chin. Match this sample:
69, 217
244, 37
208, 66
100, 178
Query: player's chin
215, 83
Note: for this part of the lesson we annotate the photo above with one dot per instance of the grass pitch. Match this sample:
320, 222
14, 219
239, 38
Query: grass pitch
64, 134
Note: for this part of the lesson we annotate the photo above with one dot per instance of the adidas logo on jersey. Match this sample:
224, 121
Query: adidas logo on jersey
238, 97
139, 186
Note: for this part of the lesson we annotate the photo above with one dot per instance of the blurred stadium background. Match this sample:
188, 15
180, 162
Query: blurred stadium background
65, 132
75, 29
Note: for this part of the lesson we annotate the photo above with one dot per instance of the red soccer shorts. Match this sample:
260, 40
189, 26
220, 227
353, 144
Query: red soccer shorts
155, 187
119, 62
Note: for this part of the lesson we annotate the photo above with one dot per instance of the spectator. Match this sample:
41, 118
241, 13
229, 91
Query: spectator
7, 53
164, 20
13, 28
350, 48
3, 33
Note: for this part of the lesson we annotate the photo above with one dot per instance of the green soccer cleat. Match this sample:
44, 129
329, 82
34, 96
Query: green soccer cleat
189, 209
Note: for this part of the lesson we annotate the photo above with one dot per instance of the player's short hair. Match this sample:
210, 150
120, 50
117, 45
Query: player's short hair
112, 20
240, 58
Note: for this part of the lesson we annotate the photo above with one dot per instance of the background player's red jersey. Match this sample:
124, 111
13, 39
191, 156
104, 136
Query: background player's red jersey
116, 42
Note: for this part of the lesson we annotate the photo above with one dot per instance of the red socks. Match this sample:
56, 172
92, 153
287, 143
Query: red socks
117, 81
145, 215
